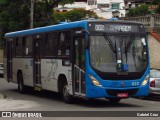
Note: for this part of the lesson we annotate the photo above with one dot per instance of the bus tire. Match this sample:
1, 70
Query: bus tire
65, 94
21, 87
114, 100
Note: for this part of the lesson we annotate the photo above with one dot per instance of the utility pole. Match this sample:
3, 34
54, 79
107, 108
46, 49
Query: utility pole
31, 14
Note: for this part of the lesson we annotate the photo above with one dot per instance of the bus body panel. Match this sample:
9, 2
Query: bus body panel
117, 83
122, 86
101, 92
25, 65
50, 71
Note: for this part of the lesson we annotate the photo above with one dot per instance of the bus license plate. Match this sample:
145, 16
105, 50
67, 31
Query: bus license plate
122, 95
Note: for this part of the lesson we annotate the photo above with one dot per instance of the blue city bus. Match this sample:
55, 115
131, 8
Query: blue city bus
90, 59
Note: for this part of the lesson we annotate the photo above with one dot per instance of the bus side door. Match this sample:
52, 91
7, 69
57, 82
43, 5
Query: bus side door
79, 65
37, 63
9, 59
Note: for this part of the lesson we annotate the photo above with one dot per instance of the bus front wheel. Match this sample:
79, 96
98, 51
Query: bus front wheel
65, 94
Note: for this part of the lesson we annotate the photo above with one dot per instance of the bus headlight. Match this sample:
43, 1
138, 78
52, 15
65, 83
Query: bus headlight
145, 81
94, 81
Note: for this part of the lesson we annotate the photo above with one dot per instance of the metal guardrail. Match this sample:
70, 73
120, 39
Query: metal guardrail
151, 22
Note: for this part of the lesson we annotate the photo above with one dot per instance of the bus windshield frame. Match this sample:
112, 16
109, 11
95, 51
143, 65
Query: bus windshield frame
133, 54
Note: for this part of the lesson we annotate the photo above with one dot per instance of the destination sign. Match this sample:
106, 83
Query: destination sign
120, 28
111, 27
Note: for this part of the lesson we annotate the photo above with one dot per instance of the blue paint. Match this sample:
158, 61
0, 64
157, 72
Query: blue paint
125, 67
82, 24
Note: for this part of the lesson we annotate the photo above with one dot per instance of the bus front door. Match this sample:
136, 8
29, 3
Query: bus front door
79, 66
9, 59
37, 64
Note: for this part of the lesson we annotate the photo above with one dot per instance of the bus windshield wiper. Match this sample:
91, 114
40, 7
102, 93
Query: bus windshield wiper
110, 43
127, 46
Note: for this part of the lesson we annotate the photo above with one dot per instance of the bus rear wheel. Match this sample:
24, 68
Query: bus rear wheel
65, 94
21, 87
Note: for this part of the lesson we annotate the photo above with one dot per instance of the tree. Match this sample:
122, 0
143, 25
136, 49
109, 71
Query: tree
156, 2
59, 17
158, 10
74, 15
139, 11
14, 15
44, 11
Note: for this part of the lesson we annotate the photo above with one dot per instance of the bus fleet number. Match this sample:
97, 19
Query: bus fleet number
99, 27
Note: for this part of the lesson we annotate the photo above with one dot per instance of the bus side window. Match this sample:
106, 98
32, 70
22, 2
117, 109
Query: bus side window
28, 46
19, 47
50, 44
64, 43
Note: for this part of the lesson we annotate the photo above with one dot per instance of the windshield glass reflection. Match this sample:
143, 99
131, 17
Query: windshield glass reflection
106, 52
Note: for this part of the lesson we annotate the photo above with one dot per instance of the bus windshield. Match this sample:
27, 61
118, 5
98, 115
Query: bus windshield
107, 51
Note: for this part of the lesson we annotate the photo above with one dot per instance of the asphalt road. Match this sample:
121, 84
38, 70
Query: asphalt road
50, 101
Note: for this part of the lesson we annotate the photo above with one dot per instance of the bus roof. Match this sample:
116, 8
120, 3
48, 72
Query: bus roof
47, 29
62, 26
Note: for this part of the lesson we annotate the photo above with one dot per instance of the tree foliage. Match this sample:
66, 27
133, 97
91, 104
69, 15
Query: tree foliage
15, 14
139, 11
44, 11
74, 15
158, 10
156, 2
63, 2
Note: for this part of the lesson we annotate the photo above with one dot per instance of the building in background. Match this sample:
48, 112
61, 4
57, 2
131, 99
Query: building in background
129, 4
154, 48
68, 7
134, 3
103, 8
110, 8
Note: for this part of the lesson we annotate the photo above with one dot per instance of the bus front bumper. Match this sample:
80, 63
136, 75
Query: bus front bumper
105, 92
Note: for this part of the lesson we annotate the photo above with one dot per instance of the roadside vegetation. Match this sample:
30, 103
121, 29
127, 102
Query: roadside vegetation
73, 15
15, 15
144, 9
